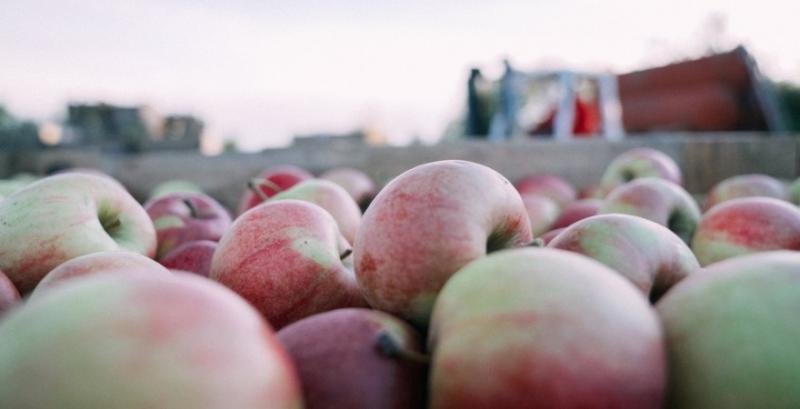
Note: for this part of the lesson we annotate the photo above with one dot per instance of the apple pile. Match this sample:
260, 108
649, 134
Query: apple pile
449, 287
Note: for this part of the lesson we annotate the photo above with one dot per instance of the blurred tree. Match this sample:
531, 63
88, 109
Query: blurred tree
789, 100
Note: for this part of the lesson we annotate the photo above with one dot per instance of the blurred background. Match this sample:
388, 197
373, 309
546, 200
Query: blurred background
249, 75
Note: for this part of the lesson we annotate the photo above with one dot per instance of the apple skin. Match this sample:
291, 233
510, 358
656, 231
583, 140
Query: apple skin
639, 163
343, 363
98, 263
549, 186
173, 186
331, 197
284, 258
732, 334
62, 217
9, 296
547, 237
425, 225
746, 225
577, 210
794, 192
657, 200
183, 217
281, 177
357, 184
544, 328
134, 341
746, 186
542, 212
648, 254
194, 256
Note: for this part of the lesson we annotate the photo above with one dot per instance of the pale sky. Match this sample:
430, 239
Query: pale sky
261, 71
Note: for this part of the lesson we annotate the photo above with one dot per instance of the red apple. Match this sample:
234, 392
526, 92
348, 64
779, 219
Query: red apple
270, 182
331, 197
542, 212
746, 186
746, 225
65, 216
428, 223
648, 254
549, 186
99, 263
549, 236
183, 217
357, 183
544, 328
142, 341
357, 358
732, 334
577, 210
194, 256
9, 296
639, 163
657, 200
284, 257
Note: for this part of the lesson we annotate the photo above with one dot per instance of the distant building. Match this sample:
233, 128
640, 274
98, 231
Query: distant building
131, 129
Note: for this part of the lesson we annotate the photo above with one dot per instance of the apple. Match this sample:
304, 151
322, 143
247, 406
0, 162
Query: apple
9, 296
794, 191
544, 328
542, 212
15, 183
65, 216
357, 358
183, 217
577, 210
639, 163
657, 200
746, 186
194, 256
550, 186
331, 197
98, 263
174, 186
646, 253
270, 182
285, 258
357, 184
593, 191
746, 225
547, 237
732, 334
142, 341
425, 225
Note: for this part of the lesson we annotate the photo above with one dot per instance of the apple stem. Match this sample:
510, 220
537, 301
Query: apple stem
390, 347
345, 254
192, 208
256, 183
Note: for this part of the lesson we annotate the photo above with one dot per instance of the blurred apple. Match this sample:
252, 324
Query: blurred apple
552, 187
9, 296
357, 184
271, 181
65, 216
746, 186
174, 186
183, 217
542, 212
194, 256
577, 210
639, 163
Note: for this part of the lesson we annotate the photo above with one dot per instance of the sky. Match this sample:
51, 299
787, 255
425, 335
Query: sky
260, 71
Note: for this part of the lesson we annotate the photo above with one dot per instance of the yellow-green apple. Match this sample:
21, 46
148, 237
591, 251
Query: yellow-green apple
746, 186
65, 216
331, 197
746, 225
357, 183
646, 253
174, 186
577, 210
639, 163
732, 334
357, 358
425, 225
194, 256
183, 217
142, 341
542, 212
549, 186
15, 183
269, 183
118, 262
657, 200
285, 257
794, 192
9, 296
544, 328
